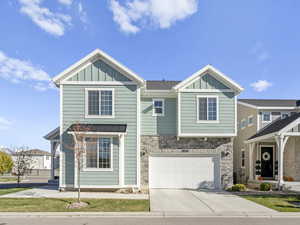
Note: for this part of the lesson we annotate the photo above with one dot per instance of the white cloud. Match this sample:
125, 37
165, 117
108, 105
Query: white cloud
4, 123
136, 14
82, 13
260, 52
17, 71
65, 2
261, 85
51, 22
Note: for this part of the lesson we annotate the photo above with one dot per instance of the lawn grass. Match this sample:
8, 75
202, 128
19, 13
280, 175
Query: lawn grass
281, 203
11, 190
8, 179
59, 205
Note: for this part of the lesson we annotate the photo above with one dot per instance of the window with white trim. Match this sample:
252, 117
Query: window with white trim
158, 107
243, 158
98, 153
99, 102
250, 121
266, 116
284, 115
207, 108
243, 123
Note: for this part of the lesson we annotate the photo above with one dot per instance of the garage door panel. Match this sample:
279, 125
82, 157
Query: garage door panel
183, 172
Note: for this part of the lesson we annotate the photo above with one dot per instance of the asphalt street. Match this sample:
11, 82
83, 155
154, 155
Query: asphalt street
149, 221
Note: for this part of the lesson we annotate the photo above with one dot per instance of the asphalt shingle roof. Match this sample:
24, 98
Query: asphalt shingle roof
160, 84
98, 127
271, 102
276, 126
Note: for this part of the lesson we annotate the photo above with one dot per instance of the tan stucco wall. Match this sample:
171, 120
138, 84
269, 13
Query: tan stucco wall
243, 134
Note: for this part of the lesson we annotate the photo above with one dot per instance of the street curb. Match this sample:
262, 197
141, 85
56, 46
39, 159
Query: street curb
146, 214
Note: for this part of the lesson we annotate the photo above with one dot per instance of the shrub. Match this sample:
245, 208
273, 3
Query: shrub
6, 163
265, 187
238, 187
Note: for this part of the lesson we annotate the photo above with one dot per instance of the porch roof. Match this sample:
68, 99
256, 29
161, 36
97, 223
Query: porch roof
105, 128
276, 126
53, 135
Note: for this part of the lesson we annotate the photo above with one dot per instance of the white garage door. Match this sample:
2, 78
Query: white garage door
184, 172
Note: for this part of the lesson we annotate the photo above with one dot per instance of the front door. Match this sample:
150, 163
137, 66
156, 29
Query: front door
267, 162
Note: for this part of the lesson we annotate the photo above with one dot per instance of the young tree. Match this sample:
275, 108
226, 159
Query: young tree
22, 162
6, 163
79, 148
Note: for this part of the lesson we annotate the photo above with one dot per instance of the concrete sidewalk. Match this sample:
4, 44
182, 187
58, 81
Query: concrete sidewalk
52, 192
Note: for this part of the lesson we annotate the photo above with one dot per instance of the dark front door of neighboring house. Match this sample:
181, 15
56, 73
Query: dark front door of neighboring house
267, 162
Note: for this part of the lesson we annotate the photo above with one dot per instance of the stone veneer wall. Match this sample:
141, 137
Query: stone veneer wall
164, 144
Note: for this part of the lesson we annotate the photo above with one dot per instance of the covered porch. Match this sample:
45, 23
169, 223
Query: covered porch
54, 138
274, 152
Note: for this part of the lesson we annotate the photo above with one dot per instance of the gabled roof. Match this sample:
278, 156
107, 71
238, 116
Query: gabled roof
160, 85
33, 152
92, 56
270, 102
214, 72
276, 126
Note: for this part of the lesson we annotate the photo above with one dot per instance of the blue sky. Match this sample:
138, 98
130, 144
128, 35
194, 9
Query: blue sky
254, 42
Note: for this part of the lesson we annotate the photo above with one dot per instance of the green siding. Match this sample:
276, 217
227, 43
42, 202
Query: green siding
207, 81
125, 113
158, 125
98, 71
189, 114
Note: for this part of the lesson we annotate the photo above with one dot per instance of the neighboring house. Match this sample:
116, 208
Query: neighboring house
40, 160
268, 144
157, 134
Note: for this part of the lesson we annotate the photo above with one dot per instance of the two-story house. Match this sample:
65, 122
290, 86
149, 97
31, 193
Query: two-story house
157, 134
267, 145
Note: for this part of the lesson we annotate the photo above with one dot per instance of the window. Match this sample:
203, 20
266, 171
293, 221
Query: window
266, 116
284, 115
243, 123
250, 121
243, 158
99, 102
98, 153
207, 109
158, 107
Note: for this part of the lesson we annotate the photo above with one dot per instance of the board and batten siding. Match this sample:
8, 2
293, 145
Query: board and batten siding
188, 115
158, 125
125, 111
98, 71
207, 81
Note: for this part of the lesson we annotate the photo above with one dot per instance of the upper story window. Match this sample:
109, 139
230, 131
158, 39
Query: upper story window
99, 103
284, 115
207, 109
158, 107
250, 120
266, 116
98, 153
243, 123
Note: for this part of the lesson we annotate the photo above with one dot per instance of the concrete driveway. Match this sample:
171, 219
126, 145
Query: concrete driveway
202, 202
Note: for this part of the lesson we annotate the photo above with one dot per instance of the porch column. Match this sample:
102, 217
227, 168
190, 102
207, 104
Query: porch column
251, 150
281, 142
54, 145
